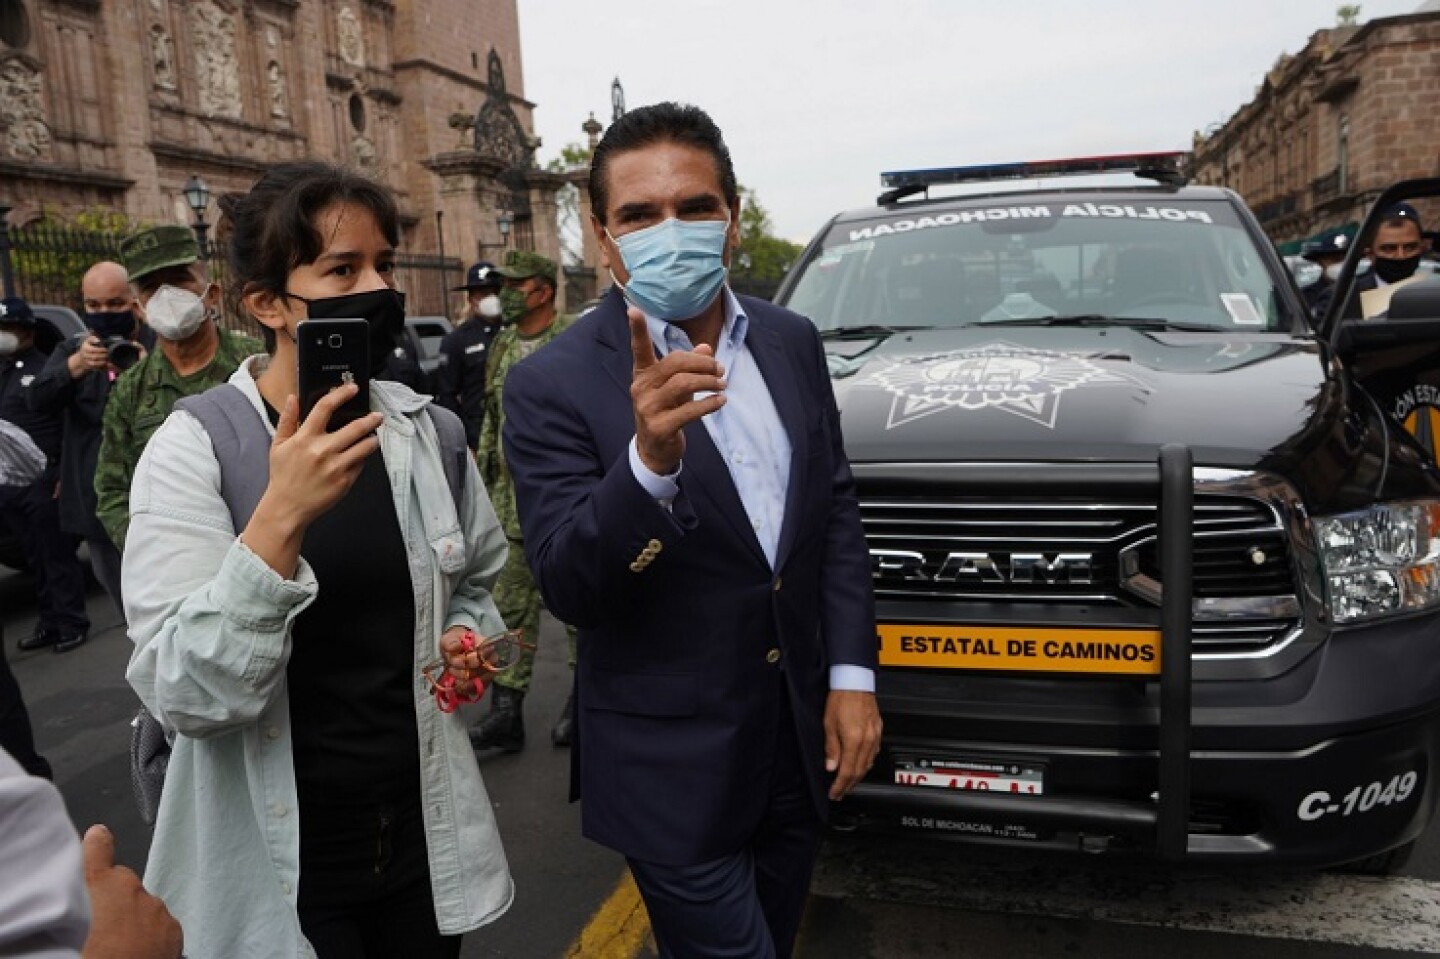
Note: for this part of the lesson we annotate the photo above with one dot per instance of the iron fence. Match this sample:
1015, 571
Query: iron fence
44, 262
426, 280
47, 261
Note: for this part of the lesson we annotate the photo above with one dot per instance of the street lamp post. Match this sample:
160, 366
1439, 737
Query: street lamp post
7, 272
505, 220
197, 195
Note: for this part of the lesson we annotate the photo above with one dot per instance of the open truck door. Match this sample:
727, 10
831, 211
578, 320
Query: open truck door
1394, 354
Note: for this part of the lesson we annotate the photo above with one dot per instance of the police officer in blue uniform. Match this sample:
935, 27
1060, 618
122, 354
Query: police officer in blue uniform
1326, 251
460, 377
33, 511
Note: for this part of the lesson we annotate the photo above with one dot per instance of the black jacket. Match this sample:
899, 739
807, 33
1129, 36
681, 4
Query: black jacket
80, 404
460, 377
1352, 308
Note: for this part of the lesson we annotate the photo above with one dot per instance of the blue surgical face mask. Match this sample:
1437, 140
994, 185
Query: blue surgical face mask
676, 268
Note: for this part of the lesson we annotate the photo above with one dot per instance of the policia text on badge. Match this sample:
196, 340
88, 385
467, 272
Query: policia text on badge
1028, 649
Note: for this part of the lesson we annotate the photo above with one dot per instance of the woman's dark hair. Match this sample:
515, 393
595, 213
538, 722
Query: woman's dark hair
660, 123
273, 228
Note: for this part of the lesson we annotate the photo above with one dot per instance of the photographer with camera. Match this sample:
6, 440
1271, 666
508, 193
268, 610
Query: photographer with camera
76, 383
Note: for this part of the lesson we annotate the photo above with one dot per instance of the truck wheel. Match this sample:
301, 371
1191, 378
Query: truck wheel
1385, 863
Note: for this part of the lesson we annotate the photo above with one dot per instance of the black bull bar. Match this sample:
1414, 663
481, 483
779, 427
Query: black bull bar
1166, 821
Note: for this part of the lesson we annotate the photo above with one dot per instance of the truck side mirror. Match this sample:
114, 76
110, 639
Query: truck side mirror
1413, 318
1418, 300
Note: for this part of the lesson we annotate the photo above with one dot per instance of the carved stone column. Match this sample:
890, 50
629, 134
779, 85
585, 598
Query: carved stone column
471, 197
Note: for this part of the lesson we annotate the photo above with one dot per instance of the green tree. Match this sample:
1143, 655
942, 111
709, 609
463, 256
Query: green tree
1347, 15
53, 252
763, 258
572, 157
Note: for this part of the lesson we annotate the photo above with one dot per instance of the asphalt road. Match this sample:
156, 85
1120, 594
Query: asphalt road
872, 898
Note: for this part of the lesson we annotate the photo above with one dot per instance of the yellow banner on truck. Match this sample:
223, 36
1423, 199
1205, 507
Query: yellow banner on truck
1021, 648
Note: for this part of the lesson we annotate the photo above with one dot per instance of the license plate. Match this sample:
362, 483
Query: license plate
1026, 779
1020, 648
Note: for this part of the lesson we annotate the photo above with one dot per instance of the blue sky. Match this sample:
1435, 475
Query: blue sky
816, 97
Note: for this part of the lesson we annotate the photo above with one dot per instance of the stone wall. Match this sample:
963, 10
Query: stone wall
118, 103
1331, 127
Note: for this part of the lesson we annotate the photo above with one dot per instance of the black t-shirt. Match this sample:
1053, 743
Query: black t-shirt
352, 665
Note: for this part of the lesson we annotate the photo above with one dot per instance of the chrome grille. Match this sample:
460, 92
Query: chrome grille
1250, 563
917, 538
1239, 637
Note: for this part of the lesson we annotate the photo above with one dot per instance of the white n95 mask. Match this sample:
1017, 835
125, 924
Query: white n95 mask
174, 313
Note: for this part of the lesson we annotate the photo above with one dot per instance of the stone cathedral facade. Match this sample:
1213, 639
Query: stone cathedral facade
117, 103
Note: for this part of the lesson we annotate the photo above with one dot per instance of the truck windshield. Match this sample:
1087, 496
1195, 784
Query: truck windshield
1186, 265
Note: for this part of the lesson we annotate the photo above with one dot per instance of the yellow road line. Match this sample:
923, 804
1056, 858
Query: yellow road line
619, 929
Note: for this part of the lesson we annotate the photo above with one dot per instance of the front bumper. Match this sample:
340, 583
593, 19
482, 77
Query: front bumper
1327, 763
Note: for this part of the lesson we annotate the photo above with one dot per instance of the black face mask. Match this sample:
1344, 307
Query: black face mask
1393, 271
383, 309
105, 325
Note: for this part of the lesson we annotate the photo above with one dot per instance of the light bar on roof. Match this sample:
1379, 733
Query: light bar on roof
1076, 166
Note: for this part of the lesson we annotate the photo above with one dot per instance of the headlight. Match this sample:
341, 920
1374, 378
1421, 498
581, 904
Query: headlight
1381, 561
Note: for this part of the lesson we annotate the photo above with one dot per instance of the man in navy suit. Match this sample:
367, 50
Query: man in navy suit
687, 503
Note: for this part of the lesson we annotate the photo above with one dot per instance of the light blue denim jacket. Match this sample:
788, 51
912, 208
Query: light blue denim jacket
211, 626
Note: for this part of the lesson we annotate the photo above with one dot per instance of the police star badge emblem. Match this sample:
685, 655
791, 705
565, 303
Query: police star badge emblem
1019, 380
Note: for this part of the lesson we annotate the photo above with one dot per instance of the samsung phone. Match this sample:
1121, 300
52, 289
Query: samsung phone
334, 352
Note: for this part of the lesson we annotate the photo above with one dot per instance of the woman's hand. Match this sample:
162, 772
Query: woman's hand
310, 470
459, 647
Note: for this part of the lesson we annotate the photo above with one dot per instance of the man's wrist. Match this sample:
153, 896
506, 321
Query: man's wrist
850, 678
667, 470
662, 488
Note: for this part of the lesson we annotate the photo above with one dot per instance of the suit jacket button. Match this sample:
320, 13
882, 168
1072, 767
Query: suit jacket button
772, 657
635, 567
776, 586
654, 546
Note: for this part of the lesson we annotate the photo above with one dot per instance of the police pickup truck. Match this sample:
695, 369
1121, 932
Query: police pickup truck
1156, 561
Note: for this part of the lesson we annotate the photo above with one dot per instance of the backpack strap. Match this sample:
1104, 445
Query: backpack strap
454, 449
242, 446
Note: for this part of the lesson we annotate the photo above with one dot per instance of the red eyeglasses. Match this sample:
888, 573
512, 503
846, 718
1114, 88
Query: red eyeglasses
493, 654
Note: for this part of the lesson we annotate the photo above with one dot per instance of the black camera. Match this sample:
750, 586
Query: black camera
123, 353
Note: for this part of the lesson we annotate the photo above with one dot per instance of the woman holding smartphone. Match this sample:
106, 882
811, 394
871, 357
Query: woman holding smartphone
316, 798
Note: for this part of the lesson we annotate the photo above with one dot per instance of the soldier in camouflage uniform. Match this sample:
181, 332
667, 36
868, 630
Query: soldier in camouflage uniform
530, 320
192, 353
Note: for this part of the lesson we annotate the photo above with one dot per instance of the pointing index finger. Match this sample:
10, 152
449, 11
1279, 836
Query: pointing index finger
640, 342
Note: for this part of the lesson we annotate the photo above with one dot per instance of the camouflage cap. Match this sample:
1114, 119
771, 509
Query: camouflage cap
157, 248
523, 264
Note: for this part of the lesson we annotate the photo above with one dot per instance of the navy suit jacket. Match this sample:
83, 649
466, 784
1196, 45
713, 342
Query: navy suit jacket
684, 655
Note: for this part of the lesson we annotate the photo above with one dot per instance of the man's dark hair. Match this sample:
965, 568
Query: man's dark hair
273, 228
660, 123
1397, 221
